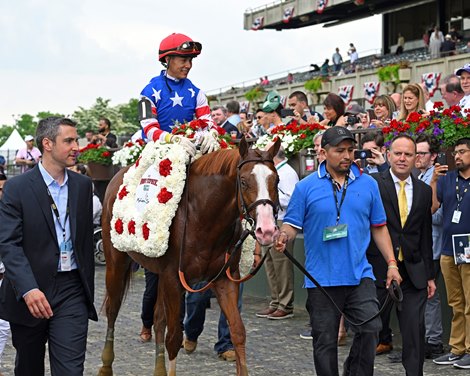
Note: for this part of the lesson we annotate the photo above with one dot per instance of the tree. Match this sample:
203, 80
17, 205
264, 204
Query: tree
5, 132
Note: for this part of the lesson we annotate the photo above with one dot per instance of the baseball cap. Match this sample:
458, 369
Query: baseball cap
353, 109
335, 135
272, 102
465, 68
28, 138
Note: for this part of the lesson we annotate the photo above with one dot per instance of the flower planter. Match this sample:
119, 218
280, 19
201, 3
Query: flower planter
100, 172
404, 74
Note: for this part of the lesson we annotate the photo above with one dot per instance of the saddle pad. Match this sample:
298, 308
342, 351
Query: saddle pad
148, 198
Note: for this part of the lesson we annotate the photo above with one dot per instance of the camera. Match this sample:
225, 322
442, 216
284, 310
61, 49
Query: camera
353, 119
362, 154
287, 112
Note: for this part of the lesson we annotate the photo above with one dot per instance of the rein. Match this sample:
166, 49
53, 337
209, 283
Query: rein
395, 295
230, 254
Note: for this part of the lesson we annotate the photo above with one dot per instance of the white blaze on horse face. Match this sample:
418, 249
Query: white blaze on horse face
266, 227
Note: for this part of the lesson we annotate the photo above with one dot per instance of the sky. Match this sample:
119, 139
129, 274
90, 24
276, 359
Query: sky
59, 55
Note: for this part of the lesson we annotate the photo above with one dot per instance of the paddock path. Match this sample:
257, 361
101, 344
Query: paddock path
273, 347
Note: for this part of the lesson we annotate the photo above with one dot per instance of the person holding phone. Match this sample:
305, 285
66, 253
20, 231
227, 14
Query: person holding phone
384, 107
333, 107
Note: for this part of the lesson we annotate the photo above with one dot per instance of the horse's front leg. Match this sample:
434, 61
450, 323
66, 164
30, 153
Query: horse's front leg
159, 324
227, 296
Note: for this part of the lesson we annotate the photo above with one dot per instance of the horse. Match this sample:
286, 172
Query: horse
220, 188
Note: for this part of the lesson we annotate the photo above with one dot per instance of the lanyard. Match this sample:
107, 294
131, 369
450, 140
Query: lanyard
56, 212
335, 185
459, 198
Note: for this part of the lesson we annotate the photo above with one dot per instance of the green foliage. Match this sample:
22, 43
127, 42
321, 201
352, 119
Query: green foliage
313, 85
5, 132
255, 94
389, 73
95, 153
88, 118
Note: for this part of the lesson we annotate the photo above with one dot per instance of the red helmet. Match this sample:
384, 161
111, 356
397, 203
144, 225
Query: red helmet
179, 45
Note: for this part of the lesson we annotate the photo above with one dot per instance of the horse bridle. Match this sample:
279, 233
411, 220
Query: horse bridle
230, 254
247, 209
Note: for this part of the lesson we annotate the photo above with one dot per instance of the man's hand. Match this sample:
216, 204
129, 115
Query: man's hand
38, 305
209, 142
439, 170
393, 275
377, 158
431, 288
281, 242
186, 143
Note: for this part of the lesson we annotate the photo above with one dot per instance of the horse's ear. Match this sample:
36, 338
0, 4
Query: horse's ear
243, 147
274, 148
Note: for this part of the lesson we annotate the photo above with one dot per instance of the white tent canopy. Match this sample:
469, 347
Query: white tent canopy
11, 145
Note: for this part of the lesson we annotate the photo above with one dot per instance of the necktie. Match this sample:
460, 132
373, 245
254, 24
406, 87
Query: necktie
403, 206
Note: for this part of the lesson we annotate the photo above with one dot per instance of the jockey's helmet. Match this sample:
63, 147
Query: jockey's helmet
178, 45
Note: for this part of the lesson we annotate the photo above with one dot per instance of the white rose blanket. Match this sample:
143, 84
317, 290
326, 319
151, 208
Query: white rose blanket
148, 198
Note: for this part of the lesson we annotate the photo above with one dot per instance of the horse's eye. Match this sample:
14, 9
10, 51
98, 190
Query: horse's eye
244, 184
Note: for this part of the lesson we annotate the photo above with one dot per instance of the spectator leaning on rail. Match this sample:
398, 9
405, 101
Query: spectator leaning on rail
338, 210
174, 97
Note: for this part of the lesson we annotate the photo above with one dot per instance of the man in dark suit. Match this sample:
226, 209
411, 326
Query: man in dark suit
407, 202
46, 242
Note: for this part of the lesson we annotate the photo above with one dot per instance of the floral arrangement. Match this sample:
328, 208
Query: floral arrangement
294, 137
148, 198
94, 153
196, 128
446, 125
129, 153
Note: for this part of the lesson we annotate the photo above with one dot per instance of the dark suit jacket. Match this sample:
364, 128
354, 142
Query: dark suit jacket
229, 127
415, 238
28, 242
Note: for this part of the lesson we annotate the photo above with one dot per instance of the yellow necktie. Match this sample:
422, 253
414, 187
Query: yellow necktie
403, 206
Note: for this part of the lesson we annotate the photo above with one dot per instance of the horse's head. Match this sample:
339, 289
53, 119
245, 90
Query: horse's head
257, 184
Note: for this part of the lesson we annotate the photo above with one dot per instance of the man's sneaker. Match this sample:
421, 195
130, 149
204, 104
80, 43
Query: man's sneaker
432, 351
279, 314
449, 358
228, 355
463, 363
307, 333
266, 312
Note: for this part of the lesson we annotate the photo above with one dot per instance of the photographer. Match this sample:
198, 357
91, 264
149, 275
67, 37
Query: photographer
356, 117
28, 157
372, 142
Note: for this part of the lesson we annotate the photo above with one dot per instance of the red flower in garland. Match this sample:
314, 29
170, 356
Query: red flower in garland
145, 231
106, 154
164, 167
122, 193
164, 196
137, 162
119, 226
131, 227
198, 124
223, 144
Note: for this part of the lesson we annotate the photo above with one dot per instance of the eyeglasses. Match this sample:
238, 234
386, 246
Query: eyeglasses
422, 153
459, 152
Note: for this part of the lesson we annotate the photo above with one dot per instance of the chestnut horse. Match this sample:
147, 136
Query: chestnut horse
220, 188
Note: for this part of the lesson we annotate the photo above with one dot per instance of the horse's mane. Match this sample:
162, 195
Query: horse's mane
221, 162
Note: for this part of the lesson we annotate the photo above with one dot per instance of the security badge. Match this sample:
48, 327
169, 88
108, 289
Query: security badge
456, 216
335, 232
66, 256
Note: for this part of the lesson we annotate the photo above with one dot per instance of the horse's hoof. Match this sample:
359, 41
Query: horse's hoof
105, 371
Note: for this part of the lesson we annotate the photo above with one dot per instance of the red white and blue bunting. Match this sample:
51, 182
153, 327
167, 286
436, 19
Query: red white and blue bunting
371, 89
346, 92
431, 81
258, 23
321, 5
288, 14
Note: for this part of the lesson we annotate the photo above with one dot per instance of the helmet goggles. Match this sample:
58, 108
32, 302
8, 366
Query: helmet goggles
188, 47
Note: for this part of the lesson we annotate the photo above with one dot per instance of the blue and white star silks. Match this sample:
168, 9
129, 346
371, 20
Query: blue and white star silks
177, 100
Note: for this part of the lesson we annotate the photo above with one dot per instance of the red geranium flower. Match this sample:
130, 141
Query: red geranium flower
145, 231
131, 227
164, 196
123, 193
119, 226
164, 167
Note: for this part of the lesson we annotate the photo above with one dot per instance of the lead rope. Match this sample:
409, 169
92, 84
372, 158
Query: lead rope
395, 295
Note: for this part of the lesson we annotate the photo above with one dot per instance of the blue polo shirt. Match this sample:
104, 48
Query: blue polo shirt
337, 262
447, 196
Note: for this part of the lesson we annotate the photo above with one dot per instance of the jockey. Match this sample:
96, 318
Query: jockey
174, 97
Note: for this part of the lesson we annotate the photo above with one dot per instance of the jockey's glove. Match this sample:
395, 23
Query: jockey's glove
210, 142
186, 143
